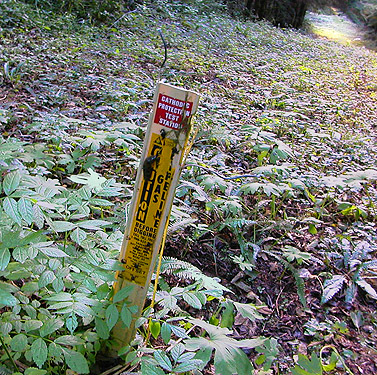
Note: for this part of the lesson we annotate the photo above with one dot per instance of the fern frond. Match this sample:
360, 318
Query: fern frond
185, 270
170, 264
369, 264
4, 371
347, 253
239, 223
180, 225
332, 287
367, 287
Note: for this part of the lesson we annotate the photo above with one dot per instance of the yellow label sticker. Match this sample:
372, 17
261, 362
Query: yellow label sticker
154, 188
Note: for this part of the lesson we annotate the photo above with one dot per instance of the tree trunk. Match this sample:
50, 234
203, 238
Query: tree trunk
283, 13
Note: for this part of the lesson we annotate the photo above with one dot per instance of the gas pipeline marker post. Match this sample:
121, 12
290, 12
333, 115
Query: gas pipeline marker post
165, 146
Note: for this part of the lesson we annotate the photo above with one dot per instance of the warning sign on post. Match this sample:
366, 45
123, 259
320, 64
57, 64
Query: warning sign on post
155, 185
157, 177
158, 174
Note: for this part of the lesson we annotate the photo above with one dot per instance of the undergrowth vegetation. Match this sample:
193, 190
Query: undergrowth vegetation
274, 221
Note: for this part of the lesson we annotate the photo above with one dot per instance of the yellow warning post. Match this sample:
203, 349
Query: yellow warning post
165, 143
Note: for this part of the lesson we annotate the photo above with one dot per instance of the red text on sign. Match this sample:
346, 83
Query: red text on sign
169, 111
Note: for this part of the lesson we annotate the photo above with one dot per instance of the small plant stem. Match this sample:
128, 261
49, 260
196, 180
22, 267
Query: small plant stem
65, 240
273, 206
9, 355
371, 204
215, 260
281, 202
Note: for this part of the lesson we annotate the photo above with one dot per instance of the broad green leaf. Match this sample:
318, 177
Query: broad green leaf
150, 369
11, 209
163, 360
32, 325
25, 209
46, 278
126, 315
229, 358
55, 350
192, 300
5, 328
224, 361
178, 331
7, 287
100, 202
58, 284
4, 258
31, 252
112, 316
34, 371
271, 188
155, 328
248, 311
250, 188
204, 355
69, 340
243, 363
166, 332
11, 182
18, 342
71, 323
20, 254
60, 297
85, 193
50, 326
227, 317
7, 299
30, 311
187, 366
312, 229
102, 328
52, 251
123, 293
10, 238
102, 291
177, 351
251, 343
76, 361
38, 216
93, 179
184, 357
306, 366
30, 287
82, 310
62, 226
210, 182
78, 235
269, 350
39, 351
292, 253
92, 224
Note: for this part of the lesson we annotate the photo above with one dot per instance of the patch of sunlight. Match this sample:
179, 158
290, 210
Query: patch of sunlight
337, 27
336, 35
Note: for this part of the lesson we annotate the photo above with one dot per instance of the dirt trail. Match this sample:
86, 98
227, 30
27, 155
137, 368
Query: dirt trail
340, 28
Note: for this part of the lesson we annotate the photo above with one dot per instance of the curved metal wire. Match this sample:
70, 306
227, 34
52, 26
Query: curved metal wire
165, 49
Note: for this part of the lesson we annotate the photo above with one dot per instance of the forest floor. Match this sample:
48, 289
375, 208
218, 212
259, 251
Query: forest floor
278, 200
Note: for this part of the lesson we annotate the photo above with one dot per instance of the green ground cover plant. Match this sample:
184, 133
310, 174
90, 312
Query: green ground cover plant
274, 223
